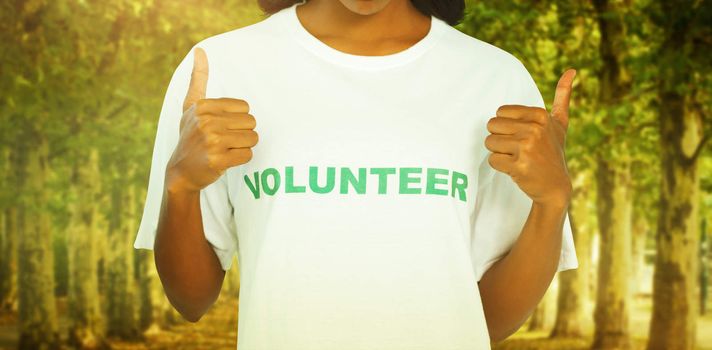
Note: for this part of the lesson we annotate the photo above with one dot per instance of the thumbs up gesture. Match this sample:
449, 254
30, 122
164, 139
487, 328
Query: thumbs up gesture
527, 143
215, 134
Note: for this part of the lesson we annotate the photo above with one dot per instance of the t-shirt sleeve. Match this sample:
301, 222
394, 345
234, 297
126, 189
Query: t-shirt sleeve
501, 207
216, 209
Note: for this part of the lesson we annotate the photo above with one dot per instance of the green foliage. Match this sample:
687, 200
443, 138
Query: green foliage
85, 75
552, 35
89, 74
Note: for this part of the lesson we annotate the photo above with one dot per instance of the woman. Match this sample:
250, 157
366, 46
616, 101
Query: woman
407, 190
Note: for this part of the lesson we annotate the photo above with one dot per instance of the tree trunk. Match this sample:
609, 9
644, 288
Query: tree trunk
614, 203
611, 314
157, 312
9, 233
8, 268
145, 281
542, 317
143, 263
704, 266
640, 236
122, 307
37, 323
673, 324
86, 325
537, 321
572, 305
153, 301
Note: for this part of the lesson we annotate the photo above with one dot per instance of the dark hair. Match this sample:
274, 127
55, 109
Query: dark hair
450, 11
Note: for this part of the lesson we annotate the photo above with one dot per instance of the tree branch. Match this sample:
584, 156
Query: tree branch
700, 147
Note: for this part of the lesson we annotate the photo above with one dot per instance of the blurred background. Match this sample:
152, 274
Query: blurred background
82, 84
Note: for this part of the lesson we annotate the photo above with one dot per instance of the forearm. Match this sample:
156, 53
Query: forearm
512, 287
188, 267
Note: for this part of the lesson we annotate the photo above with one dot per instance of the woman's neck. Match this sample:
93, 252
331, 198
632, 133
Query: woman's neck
364, 30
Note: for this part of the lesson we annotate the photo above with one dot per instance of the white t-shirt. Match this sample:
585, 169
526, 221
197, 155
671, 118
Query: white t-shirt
369, 211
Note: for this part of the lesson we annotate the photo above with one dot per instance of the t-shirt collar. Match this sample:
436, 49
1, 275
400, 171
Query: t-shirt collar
321, 49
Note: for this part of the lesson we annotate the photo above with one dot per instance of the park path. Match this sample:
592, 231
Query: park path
218, 330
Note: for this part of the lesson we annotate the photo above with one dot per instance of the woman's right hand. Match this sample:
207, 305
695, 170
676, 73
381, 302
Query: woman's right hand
215, 134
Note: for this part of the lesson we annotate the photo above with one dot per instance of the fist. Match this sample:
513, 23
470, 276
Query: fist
215, 134
527, 143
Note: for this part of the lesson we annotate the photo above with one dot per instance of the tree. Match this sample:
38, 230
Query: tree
37, 311
86, 321
37, 315
8, 235
574, 33
542, 317
684, 29
572, 310
614, 199
122, 310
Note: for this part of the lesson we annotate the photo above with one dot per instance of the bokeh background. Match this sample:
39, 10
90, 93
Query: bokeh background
82, 83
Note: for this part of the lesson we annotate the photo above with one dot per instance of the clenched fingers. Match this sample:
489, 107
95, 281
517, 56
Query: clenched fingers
508, 126
230, 121
502, 144
524, 113
222, 104
238, 138
502, 162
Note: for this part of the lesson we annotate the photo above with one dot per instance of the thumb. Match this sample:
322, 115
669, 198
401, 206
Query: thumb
560, 108
198, 78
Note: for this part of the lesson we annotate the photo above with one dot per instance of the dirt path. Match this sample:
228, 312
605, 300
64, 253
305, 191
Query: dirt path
218, 330
640, 321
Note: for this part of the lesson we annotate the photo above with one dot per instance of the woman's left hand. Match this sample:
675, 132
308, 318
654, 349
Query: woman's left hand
527, 143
